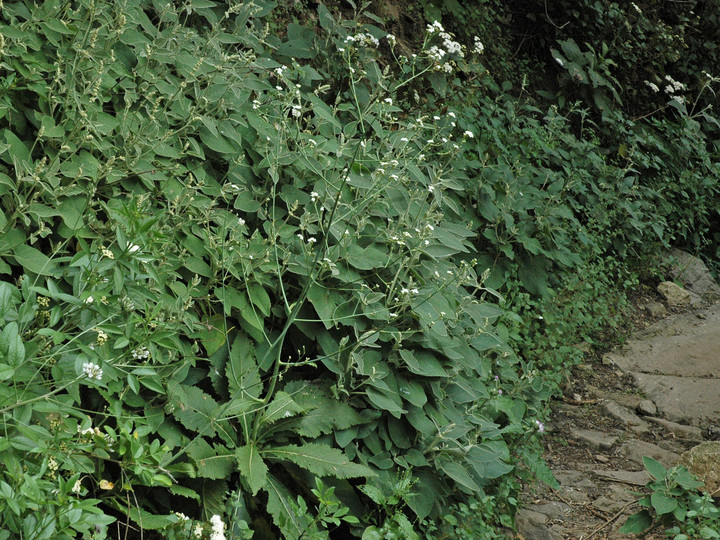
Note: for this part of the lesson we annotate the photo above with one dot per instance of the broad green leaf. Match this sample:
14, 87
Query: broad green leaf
385, 401
213, 335
322, 300
637, 523
146, 520
662, 503
216, 142
367, 258
488, 459
319, 459
17, 155
422, 363
34, 261
6, 372
252, 467
71, 209
259, 297
458, 473
655, 468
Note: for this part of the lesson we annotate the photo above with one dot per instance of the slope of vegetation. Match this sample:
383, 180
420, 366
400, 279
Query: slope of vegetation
271, 271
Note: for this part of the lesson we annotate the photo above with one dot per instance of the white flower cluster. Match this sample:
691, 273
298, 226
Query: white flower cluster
435, 28
92, 371
436, 53
652, 86
452, 47
673, 85
141, 353
218, 528
479, 47
391, 39
363, 40
296, 111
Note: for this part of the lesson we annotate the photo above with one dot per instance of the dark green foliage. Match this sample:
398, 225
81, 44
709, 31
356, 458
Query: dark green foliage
238, 264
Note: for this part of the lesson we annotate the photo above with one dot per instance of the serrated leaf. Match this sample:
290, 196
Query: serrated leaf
184, 492
242, 370
280, 507
319, 459
211, 462
193, 408
323, 413
252, 467
282, 406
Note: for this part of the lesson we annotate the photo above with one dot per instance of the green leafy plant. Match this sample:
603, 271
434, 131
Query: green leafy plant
676, 504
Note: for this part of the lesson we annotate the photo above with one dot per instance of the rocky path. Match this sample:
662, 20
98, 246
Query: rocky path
659, 397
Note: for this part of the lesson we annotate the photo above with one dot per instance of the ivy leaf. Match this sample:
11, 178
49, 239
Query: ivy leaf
252, 467
319, 459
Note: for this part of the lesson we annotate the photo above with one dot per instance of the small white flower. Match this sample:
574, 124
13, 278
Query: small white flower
391, 39
311, 240
435, 28
479, 47
241, 221
469, 134
404, 139
540, 426
431, 188
76, 488
132, 248
314, 196
652, 86
278, 87
218, 528
92, 371
313, 142
89, 300
388, 100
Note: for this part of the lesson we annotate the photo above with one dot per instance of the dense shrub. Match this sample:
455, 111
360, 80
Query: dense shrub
302, 279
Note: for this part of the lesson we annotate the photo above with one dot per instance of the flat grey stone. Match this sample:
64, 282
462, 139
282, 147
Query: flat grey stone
685, 400
552, 509
636, 450
626, 416
531, 524
683, 345
686, 432
633, 478
594, 439
609, 505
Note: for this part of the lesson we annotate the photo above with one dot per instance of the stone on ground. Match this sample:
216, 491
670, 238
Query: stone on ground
694, 274
704, 462
674, 295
